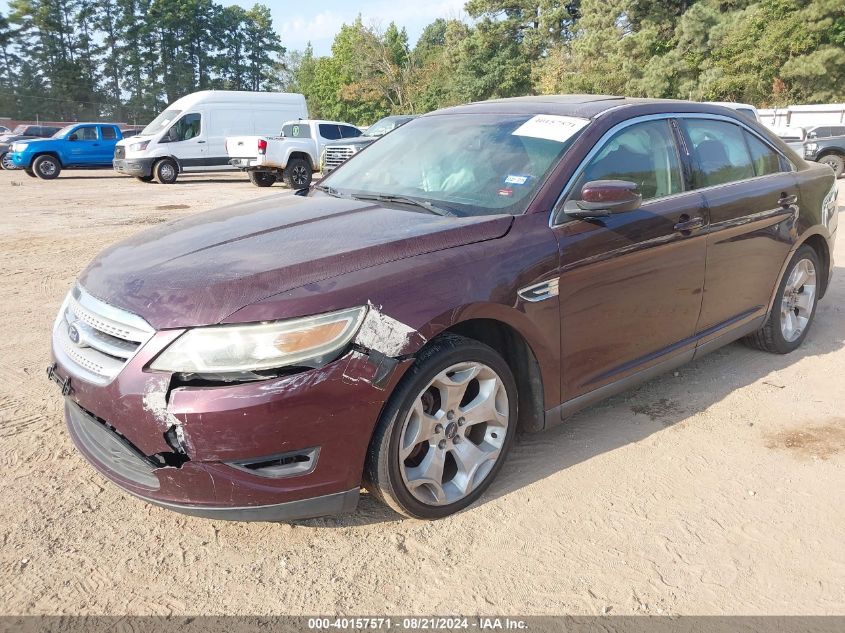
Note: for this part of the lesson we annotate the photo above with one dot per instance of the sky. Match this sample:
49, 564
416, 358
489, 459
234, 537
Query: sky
317, 22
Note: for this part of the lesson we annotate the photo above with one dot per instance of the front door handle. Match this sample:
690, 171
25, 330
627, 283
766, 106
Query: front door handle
200, 141
686, 223
787, 201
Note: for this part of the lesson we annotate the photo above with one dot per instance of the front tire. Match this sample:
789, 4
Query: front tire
297, 174
28, 171
794, 307
836, 162
46, 167
144, 178
166, 171
445, 431
262, 178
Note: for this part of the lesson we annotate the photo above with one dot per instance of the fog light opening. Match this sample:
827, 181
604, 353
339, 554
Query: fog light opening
289, 464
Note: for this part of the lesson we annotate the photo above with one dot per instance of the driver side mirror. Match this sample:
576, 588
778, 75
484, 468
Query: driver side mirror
601, 198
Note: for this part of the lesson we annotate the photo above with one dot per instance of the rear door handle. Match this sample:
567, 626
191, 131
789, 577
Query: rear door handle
786, 201
686, 223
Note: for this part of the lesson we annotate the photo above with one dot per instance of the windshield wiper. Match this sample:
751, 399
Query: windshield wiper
329, 190
387, 197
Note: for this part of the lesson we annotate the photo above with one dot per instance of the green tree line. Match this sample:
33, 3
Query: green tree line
126, 59
140, 54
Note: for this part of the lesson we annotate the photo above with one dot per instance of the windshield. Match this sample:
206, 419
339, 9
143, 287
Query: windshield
160, 122
382, 127
466, 164
64, 131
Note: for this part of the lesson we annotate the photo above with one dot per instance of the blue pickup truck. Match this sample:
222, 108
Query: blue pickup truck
80, 145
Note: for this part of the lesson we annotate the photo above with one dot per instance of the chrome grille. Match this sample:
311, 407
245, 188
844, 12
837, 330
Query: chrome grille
119, 151
336, 155
93, 339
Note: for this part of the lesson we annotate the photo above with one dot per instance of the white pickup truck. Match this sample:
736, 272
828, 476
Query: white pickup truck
293, 156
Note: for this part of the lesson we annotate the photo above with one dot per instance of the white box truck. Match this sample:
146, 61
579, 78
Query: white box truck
190, 135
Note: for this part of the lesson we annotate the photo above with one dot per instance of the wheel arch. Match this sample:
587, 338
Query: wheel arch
300, 154
47, 152
818, 241
515, 349
831, 151
819, 244
158, 159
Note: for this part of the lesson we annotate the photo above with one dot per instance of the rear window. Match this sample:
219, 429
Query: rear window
296, 130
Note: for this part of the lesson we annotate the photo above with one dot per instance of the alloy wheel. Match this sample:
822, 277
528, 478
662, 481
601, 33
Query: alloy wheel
454, 433
798, 299
299, 177
7, 161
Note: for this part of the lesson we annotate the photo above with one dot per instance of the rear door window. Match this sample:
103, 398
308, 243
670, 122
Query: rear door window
643, 153
720, 152
108, 133
296, 130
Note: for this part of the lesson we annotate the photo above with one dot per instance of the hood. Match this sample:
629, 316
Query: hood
363, 141
37, 139
201, 269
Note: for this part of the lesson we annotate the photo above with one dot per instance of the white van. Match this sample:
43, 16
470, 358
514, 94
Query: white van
190, 135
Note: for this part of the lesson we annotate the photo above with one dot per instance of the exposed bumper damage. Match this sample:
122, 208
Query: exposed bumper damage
281, 448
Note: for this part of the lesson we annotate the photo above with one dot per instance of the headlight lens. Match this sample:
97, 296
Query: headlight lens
233, 348
811, 147
19, 147
138, 147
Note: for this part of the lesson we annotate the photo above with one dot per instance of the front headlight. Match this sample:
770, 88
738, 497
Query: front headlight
19, 147
309, 341
811, 147
138, 147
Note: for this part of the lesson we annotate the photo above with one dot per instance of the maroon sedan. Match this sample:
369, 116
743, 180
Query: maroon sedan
482, 270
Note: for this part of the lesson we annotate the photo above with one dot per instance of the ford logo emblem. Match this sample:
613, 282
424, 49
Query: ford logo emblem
73, 334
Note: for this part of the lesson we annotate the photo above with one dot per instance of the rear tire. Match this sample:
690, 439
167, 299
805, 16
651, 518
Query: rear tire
46, 167
794, 307
297, 174
166, 171
6, 161
446, 430
836, 162
262, 178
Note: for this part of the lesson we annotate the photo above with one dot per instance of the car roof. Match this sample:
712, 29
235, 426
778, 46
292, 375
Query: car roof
576, 105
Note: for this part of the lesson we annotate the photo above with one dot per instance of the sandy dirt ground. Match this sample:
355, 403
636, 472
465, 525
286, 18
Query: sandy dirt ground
718, 489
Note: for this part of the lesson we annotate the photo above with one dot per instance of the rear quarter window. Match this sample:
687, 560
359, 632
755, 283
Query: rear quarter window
765, 160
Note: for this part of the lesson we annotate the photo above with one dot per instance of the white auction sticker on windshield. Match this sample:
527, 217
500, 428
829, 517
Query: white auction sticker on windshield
552, 127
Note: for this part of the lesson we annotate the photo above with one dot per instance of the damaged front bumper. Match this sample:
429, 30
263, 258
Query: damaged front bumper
282, 448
